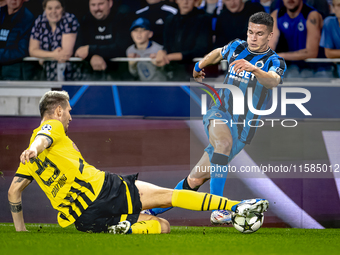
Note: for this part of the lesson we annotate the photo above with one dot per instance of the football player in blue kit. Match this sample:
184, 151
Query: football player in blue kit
251, 64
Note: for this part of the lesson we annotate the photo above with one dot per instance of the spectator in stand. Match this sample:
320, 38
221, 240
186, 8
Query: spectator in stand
186, 35
156, 12
213, 7
53, 36
236, 16
15, 26
104, 34
265, 3
330, 37
322, 6
299, 27
143, 47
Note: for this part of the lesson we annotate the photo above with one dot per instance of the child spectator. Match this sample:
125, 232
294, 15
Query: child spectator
143, 47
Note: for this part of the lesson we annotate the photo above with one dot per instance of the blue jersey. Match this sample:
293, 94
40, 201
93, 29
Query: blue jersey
330, 37
294, 30
267, 61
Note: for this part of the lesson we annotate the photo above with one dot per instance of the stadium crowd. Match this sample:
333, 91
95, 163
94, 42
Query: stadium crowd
171, 33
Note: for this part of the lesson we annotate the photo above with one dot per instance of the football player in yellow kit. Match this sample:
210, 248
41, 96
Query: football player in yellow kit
97, 201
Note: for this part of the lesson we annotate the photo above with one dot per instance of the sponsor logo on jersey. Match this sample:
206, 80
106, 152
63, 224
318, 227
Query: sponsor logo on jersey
243, 76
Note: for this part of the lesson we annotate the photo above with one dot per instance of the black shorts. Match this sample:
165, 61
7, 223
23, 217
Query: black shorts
114, 204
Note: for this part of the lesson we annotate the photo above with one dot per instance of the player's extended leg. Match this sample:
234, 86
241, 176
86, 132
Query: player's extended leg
221, 140
154, 196
221, 143
193, 181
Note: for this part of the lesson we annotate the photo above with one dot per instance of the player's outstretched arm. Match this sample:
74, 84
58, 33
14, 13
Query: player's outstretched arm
14, 198
38, 146
212, 58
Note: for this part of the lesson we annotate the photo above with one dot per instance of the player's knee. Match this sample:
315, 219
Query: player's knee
165, 225
195, 182
222, 145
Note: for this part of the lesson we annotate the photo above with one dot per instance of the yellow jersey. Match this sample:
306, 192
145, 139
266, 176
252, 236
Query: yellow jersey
69, 182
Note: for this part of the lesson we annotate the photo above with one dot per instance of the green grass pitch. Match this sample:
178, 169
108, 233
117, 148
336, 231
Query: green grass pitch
51, 239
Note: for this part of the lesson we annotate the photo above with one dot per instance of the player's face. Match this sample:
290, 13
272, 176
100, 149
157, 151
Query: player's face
258, 37
292, 4
54, 11
140, 35
66, 117
234, 5
185, 6
100, 9
336, 8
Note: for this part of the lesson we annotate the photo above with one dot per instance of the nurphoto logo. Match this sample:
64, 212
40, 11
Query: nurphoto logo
238, 103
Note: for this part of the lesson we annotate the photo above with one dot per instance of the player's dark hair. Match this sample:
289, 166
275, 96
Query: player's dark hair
44, 3
51, 100
262, 18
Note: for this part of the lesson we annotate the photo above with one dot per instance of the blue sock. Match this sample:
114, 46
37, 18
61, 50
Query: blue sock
156, 211
217, 186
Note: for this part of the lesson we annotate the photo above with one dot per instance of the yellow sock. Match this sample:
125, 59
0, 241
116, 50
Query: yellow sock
199, 201
146, 227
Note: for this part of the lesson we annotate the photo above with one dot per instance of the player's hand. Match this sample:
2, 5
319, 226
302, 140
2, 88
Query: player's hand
198, 76
82, 52
98, 63
26, 155
242, 65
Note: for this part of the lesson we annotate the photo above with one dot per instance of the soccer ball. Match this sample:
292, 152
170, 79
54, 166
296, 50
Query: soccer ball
247, 224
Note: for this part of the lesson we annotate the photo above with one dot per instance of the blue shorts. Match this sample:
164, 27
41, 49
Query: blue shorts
215, 113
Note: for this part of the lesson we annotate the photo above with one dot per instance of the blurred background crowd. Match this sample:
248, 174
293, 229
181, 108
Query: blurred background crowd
168, 33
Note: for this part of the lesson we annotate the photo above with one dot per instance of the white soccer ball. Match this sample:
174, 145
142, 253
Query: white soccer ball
247, 224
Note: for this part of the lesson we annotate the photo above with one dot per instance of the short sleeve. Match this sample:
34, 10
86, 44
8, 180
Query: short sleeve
129, 50
36, 29
226, 49
326, 35
53, 129
70, 23
278, 66
23, 171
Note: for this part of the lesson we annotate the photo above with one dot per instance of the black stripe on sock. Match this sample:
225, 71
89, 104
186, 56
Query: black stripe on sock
186, 185
219, 159
225, 204
220, 204
204, 201
209, 202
